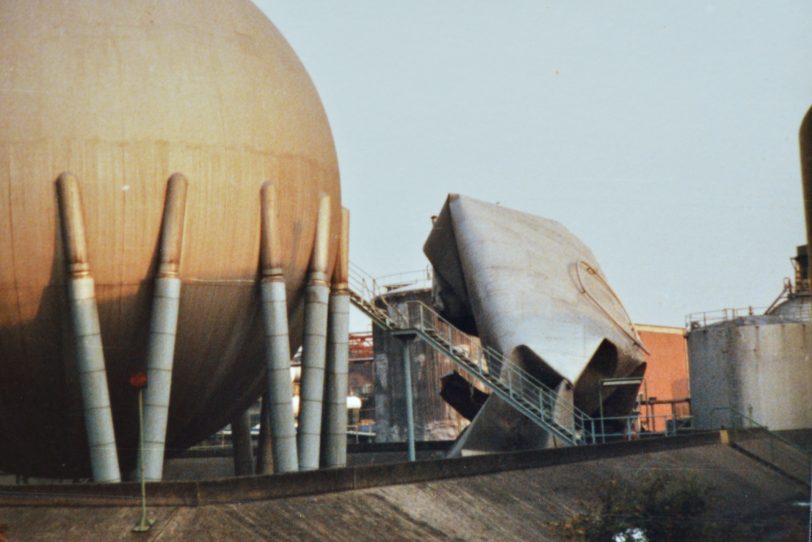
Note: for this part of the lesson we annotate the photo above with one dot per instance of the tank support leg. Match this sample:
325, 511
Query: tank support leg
163, 328
241, 445
264, 457
314, 346
279, 389
334, 439
98, 416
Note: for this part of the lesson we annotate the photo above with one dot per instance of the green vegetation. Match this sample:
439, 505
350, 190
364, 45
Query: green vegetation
659, 507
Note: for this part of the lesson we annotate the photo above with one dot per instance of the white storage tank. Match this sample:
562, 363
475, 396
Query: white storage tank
758, 366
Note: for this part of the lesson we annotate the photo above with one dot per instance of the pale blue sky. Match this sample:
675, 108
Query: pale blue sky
663, 134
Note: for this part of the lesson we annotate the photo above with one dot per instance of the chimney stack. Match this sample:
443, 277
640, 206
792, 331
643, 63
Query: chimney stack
805, 139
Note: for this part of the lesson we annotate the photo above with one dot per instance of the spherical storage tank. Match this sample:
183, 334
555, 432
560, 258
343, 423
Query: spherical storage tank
124, 93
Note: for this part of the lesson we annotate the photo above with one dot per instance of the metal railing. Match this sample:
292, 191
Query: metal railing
701, 319
417, 278
758, 440
736, 421
507, 380
363, 284
360, 433
540, 403
364, 291
637, 427
696, 320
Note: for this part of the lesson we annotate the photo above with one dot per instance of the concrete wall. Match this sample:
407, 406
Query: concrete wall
494, 497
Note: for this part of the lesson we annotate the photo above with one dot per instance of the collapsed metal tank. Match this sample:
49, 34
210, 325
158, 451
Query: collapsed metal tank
759, 365
124, 93
533, 292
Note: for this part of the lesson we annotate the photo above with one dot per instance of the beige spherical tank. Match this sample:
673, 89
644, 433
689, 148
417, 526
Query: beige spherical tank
124, 93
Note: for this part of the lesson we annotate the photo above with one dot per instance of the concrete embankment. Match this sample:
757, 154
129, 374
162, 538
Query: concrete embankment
495, 497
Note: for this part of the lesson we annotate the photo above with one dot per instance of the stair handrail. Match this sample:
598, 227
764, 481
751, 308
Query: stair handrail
487, 359
734, 415
527, 391
363, 283
494, 354
795, 465
370, 290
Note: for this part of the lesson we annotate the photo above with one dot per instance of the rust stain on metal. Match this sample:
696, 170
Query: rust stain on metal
341, 275
73, 224
173, 224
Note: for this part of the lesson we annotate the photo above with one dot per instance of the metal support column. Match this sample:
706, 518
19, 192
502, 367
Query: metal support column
163, 328
406, 339
334, 439
279, 389
314, 346
241, 445
264, 457
98, 416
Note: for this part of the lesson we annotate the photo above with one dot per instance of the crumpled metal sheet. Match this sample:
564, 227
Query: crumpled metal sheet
530, 289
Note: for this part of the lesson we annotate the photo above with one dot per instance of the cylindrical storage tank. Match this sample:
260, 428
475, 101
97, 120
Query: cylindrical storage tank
123, 93
434, 419
758, 366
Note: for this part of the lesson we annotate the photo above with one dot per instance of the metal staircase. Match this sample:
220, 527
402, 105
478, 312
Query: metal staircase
537, 401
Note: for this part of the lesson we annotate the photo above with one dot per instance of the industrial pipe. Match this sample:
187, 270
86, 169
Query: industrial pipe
805, 140
98, 416
241, 445
334, 441
277, 345
314, 345
406, 342
163, 328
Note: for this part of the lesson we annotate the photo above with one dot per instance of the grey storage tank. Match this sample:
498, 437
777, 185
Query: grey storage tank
756, 365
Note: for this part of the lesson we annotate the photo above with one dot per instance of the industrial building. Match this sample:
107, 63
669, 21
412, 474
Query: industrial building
666, 392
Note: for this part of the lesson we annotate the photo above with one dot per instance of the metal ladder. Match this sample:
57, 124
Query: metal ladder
525, 393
